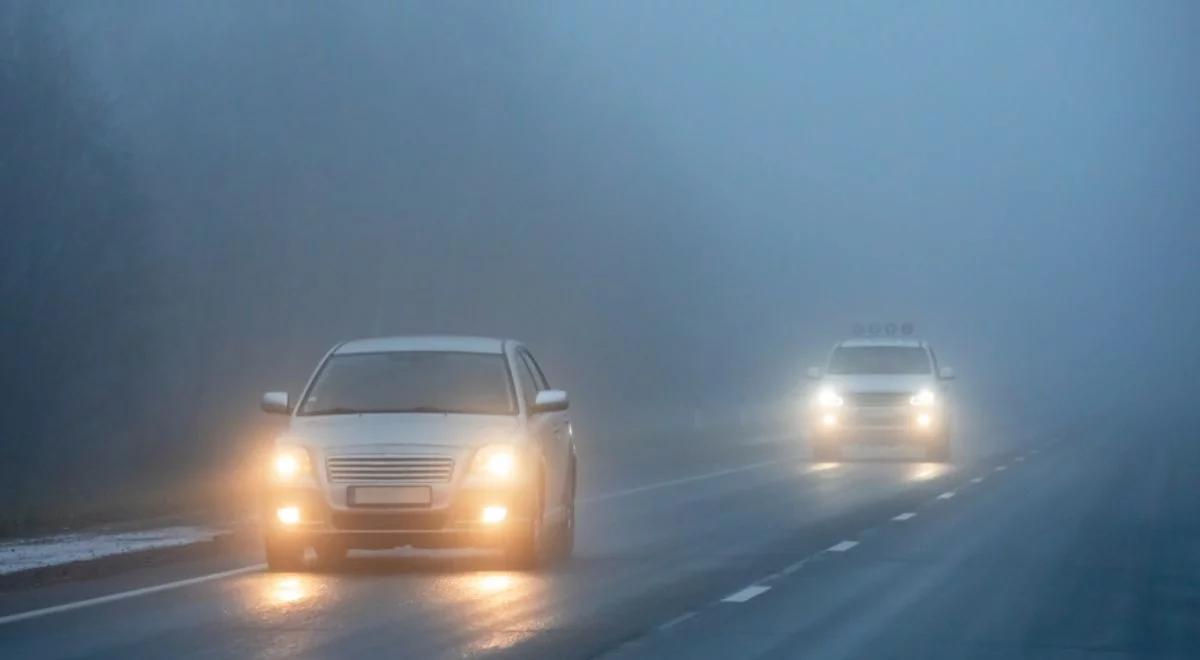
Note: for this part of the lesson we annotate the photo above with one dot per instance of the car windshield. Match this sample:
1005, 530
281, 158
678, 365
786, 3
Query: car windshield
411, 382
849, 360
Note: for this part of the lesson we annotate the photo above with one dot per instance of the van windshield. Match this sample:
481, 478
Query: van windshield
851, 360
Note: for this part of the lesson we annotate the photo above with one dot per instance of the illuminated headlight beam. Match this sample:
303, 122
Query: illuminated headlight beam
827, 398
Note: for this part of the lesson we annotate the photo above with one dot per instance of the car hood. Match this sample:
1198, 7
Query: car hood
420, 432
879, 383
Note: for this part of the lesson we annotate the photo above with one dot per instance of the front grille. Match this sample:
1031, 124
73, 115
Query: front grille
374, 469
878, 399
412, 521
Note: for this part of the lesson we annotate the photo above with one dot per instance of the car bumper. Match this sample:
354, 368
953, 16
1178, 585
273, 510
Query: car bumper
457, 524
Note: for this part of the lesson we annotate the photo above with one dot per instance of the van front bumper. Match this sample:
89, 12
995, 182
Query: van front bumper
878, 425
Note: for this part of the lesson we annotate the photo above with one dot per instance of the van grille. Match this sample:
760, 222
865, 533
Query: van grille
878, 399
417, 469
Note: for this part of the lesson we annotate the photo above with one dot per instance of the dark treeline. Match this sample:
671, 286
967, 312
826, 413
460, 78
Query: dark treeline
294, 189
80, 288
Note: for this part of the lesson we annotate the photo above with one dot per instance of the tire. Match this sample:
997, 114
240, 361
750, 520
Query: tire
526, 548
939, 451
565, 543
826, 451
283, 554
331, 554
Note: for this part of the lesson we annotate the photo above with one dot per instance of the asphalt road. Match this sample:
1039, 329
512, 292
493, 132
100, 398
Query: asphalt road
1037, 546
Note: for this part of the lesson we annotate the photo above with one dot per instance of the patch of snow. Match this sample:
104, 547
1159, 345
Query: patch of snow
43, 552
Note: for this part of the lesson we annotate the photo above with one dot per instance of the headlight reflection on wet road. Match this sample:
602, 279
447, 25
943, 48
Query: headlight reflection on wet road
289, 589
927, 471
495, 583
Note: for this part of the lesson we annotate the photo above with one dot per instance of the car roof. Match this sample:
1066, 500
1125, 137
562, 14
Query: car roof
884, 341
450, 343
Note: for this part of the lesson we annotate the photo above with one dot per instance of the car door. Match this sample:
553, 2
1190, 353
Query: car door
555, 427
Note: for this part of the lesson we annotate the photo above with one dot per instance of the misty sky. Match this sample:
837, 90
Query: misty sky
678, 203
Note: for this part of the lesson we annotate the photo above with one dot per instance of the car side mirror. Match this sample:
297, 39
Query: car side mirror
276, 403
549, 401
946, 373
814, 373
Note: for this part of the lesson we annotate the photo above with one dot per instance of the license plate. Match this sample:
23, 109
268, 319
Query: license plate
390, 496
876, 414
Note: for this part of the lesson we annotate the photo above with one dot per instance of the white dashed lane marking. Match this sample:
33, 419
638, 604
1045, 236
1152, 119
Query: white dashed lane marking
745, 594
677, 620
677, 482
755, 590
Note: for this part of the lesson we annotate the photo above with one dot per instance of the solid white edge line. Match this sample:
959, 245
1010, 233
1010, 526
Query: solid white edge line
745, 594
132, 593
684, 480
946, 495
904, 516
843, 546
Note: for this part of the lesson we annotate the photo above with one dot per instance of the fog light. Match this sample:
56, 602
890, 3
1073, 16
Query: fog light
288, 515
924, 420
493, 514
829, 420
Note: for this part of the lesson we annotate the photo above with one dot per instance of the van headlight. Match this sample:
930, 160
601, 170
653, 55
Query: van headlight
827, 398
924, 398
495, 462
290, 464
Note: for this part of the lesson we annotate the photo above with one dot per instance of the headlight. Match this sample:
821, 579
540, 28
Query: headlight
923, 398
495, 461
827, 398
290, 463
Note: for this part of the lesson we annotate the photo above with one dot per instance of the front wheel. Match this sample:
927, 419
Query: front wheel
283, 553
826, 452
331, 554
566, 529
526, 547
939, 451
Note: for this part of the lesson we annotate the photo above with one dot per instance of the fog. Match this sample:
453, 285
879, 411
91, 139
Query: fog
679, 206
